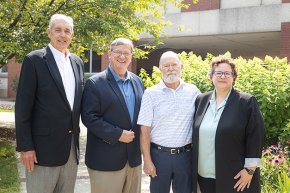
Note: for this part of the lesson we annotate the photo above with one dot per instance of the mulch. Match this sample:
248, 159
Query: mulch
7, 133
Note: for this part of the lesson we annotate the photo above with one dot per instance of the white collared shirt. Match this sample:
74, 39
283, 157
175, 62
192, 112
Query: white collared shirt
67, 75
169, 113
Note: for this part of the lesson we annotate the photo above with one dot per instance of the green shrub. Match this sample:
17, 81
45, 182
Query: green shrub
268, 80
284, 135
9, 179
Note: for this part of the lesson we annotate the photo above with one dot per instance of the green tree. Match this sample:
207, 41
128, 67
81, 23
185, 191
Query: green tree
23, 23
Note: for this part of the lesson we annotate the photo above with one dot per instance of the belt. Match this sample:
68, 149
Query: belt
175, 150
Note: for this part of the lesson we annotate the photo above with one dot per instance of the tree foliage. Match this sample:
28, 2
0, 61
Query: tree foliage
268, 80
23, 23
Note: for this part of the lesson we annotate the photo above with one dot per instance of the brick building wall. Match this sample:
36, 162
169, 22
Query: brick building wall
202, 5
13, 74
285, 40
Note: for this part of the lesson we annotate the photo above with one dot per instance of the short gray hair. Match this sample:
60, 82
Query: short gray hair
121, 41
169, 54
66, 18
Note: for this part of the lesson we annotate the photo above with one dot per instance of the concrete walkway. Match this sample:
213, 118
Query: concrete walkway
82, 183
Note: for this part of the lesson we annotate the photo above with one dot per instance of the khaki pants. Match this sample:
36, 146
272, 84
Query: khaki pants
127, 180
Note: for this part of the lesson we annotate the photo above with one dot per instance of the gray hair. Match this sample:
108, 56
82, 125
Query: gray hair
66, 18
121, 41
169, 54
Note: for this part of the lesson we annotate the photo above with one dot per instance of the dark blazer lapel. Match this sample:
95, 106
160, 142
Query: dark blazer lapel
231, 98
112, 82
52, 66
76, 75
201, 109
137, 92
227, 110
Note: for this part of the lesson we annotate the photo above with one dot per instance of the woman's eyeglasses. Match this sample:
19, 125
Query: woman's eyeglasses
220, 74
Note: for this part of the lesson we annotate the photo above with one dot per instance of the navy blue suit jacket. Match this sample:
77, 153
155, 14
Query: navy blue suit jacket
105, 114
43, 116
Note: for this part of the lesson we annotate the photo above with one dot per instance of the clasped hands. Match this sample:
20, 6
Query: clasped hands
127, 136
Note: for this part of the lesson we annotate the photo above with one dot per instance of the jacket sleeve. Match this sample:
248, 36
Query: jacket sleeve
24, 105
255, 130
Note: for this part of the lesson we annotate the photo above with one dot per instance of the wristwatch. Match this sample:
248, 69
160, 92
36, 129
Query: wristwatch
250, 172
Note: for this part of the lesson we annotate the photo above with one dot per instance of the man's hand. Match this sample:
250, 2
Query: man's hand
28, 158
127, 136
149, 169
244, 180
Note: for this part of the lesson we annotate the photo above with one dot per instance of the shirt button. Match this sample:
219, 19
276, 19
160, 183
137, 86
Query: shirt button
70, 131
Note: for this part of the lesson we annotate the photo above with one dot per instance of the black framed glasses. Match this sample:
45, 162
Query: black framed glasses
227, 74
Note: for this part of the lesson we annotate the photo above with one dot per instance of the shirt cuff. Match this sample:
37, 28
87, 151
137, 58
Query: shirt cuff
253, 162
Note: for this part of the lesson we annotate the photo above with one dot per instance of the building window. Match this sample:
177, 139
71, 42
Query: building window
93, 63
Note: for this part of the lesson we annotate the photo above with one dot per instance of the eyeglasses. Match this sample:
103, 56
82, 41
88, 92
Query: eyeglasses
167, 66
220, 74
120, 53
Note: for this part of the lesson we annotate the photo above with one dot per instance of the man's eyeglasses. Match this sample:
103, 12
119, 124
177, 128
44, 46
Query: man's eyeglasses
120, 53
167, 66
220, 74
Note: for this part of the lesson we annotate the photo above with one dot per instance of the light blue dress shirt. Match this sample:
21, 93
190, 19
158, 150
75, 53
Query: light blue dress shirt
126, 88
207, 132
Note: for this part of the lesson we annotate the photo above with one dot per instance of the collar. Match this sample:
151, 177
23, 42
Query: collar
163, 86
213, 99
57, 53
118, 78
214, 94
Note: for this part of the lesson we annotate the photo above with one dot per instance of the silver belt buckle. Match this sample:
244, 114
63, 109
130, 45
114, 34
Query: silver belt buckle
174, 151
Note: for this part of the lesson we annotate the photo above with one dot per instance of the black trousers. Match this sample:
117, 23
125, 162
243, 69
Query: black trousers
172, 169
206, 185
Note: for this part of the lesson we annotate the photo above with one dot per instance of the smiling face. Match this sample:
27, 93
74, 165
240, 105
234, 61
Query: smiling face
60, 34
171, 69
120, 58
223, 82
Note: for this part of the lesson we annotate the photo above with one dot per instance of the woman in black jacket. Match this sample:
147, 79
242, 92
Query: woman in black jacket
228, 135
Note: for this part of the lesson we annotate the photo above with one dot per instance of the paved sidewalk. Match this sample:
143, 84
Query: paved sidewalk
82, 183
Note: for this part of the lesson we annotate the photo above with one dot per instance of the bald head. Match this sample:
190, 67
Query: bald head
168, 55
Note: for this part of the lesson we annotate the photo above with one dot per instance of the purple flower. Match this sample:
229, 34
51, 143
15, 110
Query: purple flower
273, 147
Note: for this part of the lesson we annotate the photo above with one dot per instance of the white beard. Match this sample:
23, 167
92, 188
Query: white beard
171, 78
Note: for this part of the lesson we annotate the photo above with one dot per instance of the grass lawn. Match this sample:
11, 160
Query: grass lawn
9, 179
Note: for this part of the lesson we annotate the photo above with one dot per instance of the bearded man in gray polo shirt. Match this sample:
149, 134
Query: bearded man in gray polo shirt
166, 117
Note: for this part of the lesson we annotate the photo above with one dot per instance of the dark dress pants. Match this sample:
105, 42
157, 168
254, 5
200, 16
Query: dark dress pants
171, 168
206, 185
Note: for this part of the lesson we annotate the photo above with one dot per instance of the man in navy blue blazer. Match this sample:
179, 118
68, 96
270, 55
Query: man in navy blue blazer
110, 107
